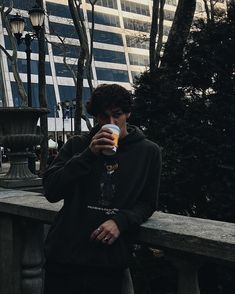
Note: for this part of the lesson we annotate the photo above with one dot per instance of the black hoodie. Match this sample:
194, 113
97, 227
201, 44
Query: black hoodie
123, 187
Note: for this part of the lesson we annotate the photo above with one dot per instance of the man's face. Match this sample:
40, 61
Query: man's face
114, 116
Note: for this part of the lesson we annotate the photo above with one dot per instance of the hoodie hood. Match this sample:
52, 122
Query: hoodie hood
134, 135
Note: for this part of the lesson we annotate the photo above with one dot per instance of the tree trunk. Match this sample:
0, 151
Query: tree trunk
89, 60
153, 36
80, 28
79, 90
160, 32
178, 35
83, 63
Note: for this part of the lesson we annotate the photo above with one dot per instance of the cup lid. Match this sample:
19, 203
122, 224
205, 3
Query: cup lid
111, 126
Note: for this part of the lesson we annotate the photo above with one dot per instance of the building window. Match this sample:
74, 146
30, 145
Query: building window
16, 96
22, 47
137, 42
135, 7
116, 75
22, 66
136, 25
24, 5
136, 59
63, 30
105, 19
51, 101
58, 10
109, 56
106, 3
172, 2
108, 37
63, 71
67, 92
60, 49
50, 94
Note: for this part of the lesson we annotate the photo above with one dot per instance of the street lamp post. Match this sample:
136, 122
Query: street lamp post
64, 108
36, 15
71, 105
56, 108
67, 107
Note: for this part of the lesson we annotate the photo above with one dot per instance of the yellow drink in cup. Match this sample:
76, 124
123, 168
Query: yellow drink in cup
115, 133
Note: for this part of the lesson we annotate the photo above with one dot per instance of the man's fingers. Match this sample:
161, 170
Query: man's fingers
103, 134
102, 141
101, 236
107, 238
96, 232
106, 233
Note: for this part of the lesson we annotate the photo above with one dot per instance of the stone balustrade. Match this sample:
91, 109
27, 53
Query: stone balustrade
186, 241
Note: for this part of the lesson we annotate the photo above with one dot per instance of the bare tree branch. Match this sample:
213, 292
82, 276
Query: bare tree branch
63, 48
207, 10
89, 126
13, 58
6, 52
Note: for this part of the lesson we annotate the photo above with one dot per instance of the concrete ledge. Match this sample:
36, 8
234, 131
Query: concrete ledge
28, 204
202, 237
199, 236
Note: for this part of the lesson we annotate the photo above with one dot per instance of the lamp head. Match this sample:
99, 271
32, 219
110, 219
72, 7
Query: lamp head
67, 103
17, 24
36, 15
74, 102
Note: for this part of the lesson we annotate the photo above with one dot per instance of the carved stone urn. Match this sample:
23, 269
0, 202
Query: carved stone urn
18, 134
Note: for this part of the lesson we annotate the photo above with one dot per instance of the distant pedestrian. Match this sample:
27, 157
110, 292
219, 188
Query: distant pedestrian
52, 153
60, 143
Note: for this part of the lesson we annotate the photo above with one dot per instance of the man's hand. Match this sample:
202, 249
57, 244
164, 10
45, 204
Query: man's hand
102, 140
106, 233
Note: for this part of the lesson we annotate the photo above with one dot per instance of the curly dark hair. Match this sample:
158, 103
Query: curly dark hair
108, 96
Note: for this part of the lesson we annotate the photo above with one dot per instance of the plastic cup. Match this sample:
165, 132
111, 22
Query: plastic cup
115, 132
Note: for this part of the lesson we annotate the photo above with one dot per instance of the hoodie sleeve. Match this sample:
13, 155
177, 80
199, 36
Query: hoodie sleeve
67, 168
144, 207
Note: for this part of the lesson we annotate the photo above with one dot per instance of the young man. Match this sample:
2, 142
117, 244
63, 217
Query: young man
106, 197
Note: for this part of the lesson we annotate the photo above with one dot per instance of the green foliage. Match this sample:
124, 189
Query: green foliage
191, 115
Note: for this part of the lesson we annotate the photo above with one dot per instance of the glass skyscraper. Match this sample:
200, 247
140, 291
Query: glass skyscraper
120, 48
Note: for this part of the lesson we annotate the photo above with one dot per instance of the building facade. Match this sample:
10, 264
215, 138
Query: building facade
120, 49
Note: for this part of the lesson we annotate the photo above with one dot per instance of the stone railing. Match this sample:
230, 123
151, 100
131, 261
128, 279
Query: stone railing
186, 241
